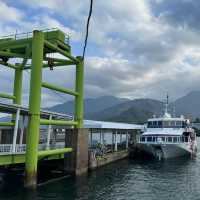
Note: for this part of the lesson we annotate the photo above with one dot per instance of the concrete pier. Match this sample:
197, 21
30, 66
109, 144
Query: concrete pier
106, 159
77, 162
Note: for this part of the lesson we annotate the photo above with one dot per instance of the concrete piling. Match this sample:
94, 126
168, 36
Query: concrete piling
77, 162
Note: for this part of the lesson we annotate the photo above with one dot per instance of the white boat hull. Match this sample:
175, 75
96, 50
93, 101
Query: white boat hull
165, 151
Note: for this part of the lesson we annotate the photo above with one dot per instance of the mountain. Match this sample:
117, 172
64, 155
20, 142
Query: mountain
139, 110
189, 105
111, 108
90, 105
134, 111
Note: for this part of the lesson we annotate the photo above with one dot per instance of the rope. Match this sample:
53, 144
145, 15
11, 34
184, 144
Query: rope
87, 28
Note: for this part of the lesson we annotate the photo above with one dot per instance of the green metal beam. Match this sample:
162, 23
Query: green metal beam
15, 43
11, 55
52, 46
9, 65
58, 122
64, 46
34, 110
56, 64
80, 91
7, 96
58, 60
59, 89
11, 159
7, 123
54, 152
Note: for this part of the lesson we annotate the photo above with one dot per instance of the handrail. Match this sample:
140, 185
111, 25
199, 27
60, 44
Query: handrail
21, 148
29, 34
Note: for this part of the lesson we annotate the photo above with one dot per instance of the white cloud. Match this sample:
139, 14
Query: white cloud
47, 21
135, 53
66, 8
9, 13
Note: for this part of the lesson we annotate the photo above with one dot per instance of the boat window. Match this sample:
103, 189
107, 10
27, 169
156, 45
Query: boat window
186, 134
173, 124
184, 124
149, 125
149, 139
154, 124
175, 139
169, 139
159, 124
163, 139
178, 124
186, 139
166, 124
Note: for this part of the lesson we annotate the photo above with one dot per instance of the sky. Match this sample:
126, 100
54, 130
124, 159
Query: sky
136, 48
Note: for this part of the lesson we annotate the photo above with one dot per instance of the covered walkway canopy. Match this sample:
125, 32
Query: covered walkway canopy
111, 125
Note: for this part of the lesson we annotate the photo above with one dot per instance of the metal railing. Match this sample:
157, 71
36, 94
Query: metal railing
26, 35
21, 148
5, 148
163, 139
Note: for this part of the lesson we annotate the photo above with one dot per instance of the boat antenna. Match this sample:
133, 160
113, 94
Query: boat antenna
174, 110
167, 103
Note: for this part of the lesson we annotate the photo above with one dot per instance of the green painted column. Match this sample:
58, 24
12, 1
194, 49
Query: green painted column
17, 88
17, 92
34, 110
79, 104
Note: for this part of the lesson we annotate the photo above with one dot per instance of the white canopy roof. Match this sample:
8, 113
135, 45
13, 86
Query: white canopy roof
111, 125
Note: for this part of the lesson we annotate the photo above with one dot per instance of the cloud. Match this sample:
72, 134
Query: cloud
178, 13
9, 13
67, 9
140, 48
47, 21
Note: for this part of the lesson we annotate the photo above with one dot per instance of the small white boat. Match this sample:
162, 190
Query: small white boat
168, 137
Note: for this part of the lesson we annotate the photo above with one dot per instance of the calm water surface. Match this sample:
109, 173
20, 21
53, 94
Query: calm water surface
128, 179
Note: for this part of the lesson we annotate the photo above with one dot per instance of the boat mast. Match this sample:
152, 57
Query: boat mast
167, 103
174, 110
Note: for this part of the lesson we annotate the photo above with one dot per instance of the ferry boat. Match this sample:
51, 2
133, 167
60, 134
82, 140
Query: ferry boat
168, 137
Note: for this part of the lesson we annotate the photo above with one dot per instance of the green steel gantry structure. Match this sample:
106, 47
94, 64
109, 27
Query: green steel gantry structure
37, 47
